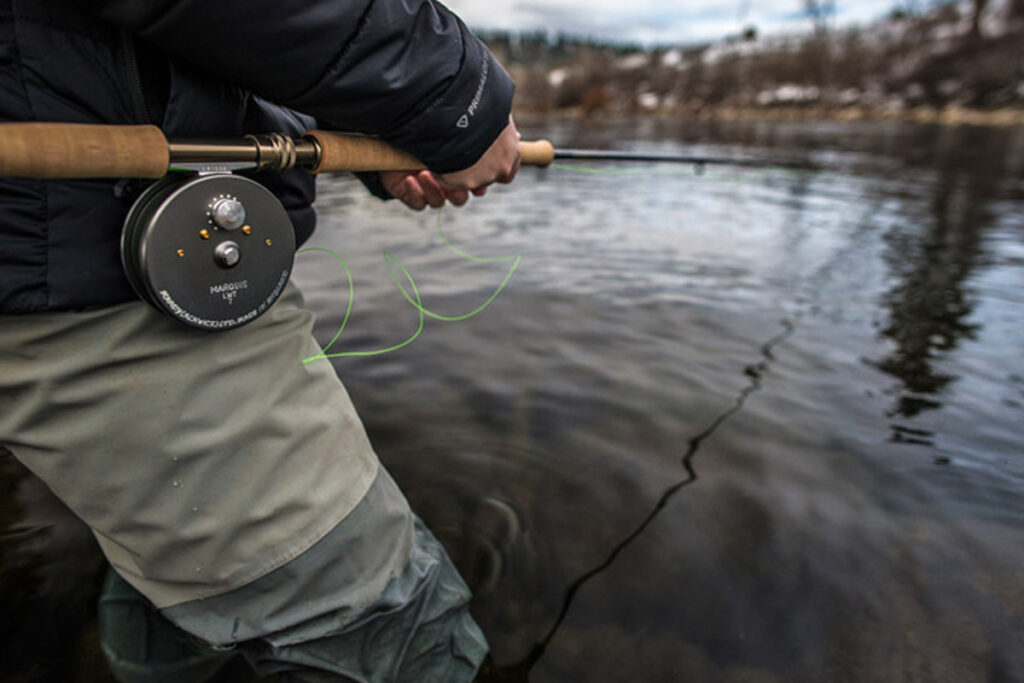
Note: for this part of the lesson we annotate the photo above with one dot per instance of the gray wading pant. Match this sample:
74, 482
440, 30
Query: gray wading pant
234, 488
417, 629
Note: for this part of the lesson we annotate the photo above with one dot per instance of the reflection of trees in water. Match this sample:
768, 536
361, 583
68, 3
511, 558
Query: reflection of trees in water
932, 258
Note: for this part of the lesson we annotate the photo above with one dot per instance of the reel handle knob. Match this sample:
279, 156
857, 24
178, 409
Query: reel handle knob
227, 254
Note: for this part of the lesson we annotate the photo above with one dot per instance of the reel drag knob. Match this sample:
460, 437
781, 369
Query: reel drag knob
183, 245
228, 213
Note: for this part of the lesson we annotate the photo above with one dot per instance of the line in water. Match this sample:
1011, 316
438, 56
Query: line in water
755, 371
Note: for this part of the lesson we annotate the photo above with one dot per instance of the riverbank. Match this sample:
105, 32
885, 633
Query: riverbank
951, 65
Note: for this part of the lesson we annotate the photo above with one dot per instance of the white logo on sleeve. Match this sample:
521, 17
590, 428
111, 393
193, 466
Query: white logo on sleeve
463, 121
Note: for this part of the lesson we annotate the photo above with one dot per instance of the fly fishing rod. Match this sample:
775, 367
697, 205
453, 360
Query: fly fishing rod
210, 248
61, 150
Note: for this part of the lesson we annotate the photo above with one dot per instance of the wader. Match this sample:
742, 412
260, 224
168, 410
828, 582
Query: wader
237, 497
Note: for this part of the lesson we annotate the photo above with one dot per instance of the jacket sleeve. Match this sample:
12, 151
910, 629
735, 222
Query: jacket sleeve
408, 71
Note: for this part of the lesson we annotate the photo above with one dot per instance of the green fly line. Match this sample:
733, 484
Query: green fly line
597, 170
411, 294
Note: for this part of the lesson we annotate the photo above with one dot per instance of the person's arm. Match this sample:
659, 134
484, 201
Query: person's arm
408, 71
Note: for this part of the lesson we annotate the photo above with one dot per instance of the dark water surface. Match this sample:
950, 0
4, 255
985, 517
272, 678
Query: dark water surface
744, 425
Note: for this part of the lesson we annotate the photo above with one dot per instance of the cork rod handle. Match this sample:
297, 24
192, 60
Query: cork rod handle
340, 152
536, 153
73, 150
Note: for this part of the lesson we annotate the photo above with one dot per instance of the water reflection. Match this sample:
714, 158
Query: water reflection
519, 671
932, 256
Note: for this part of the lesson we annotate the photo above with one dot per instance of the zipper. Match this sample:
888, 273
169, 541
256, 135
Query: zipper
134, 77
130, 188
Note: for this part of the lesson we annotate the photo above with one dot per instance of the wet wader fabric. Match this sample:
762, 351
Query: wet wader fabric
200, 460
235, 488
335, 613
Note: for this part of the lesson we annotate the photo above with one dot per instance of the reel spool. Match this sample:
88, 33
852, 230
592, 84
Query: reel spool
213, 251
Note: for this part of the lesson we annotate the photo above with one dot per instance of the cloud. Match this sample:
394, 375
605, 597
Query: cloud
653, 21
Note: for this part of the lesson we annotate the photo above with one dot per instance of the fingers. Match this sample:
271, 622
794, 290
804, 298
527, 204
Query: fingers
509, 176
458, 197
418, 190
433, 193
411, 193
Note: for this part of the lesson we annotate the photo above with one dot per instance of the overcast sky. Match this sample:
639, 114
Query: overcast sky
655, 21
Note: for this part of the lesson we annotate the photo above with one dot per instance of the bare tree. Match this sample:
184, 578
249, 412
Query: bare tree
820, 13
978, 9
819, 58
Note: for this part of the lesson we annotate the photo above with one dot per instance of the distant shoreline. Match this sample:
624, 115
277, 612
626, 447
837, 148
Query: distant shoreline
948, 116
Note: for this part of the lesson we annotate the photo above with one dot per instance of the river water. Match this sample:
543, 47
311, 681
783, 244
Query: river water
722, 424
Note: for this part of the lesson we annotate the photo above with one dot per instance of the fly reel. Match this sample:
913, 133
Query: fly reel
213, 251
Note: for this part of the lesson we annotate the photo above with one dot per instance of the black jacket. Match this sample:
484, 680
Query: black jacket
406, 70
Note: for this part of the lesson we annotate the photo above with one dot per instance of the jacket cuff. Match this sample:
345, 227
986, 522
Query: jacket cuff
455, 131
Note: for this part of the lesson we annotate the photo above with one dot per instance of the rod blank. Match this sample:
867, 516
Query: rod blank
654, 157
